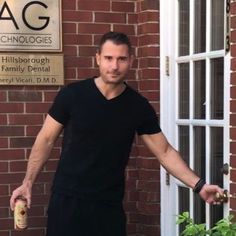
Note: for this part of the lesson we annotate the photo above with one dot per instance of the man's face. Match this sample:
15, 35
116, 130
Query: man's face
114, 62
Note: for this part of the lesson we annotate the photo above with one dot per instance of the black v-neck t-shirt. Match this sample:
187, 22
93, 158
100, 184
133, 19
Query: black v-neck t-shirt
98, 136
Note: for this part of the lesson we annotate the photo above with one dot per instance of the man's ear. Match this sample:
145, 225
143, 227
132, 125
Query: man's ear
98, 58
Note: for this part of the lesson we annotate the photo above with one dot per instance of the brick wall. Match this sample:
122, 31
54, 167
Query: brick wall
23, 109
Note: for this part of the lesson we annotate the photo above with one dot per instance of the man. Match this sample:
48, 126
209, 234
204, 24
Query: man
100, 117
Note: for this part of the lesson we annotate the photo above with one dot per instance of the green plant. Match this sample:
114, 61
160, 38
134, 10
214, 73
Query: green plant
223, 227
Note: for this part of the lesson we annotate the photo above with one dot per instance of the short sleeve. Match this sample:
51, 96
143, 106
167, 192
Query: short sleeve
60, 109
149, 123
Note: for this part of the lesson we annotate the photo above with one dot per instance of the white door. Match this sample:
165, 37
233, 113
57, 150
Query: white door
195, 78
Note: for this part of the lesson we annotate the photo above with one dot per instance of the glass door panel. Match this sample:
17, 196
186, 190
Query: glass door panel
200, 26
217, 29
199, 89
200, 151
184, 91
183, 27
184, 142
217, 88
217, 152
183, 203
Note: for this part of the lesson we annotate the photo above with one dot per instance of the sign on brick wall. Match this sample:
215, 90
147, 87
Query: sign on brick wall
31, 69
27, 25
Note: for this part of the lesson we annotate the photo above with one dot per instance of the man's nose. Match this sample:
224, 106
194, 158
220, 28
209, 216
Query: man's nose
115, 64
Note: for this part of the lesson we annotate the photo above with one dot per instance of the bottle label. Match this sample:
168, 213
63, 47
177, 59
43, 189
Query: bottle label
20, 215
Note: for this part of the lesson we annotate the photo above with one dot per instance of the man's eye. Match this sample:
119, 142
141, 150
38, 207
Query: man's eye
123, 59
108, 58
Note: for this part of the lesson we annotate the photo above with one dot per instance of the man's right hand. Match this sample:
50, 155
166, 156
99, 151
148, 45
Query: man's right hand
25, 191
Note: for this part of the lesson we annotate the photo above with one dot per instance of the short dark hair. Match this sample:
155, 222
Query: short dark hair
117, 38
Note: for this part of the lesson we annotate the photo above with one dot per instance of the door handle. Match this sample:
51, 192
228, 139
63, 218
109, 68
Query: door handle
224, 198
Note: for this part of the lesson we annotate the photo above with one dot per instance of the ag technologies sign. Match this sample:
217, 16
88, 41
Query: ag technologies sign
30, 25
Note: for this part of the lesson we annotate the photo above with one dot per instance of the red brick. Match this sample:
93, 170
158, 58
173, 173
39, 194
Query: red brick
11, 178
11, 107
148, 16
4, 233
3, 142
148, 208
149, 5
33, 130
148, 51
29, 232
127, 29
130, 206
150, 74
149, 175
148, 28
110, 17
4, 190
93, 28
78, 16
51, 165
31, 119
149, 196
150, 230
85, 51
148, 163
21, 142
11, 131
132, 18
69, 28
3, 96
40, 199
25, 96
70, 50
78, 61
4, 213
11, 154
150, 219
50, 95
3, 119
233, 78
38, 188
146, 40
123, 6
85, 73
70, 73
36, 211
70, 39
94, 5
233, 106
233, 175
3, 167
132, 229
233, 36
233, 8
69, 5
37, 107
148, 186
18, 166
233, 22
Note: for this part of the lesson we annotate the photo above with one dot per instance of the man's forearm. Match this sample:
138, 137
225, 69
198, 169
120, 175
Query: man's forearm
177, 167
38, 157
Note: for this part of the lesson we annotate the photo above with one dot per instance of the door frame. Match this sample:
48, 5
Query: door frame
168, 105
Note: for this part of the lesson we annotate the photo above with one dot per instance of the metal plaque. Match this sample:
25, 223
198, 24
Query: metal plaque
31, 69
30, 25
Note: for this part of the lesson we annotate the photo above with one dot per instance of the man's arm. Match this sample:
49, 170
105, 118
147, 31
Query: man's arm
39, 155
171, 160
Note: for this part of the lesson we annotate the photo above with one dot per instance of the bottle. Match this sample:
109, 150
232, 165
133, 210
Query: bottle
20, 214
